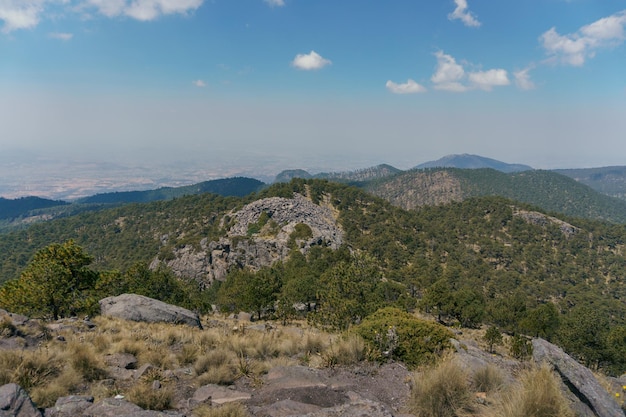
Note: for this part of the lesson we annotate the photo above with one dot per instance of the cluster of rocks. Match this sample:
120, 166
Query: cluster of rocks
212, 260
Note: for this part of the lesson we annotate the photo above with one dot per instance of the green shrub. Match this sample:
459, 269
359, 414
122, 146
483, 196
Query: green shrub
391, 333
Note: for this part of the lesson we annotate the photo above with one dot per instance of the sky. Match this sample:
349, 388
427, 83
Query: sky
313, 83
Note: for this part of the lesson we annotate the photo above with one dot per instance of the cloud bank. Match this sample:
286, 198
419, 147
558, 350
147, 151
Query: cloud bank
27, 14
575, 48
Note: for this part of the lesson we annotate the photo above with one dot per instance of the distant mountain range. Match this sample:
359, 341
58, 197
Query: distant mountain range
583, 193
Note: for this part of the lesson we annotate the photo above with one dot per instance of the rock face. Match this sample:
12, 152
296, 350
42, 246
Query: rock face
540, 219
139, 308
258, 235
15, 402
578, 379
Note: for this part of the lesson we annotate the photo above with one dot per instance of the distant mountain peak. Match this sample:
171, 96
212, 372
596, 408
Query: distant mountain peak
468, 161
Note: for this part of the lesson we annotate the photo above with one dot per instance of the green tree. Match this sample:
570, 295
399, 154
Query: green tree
542, 321
56, 283
493, 337
348, 292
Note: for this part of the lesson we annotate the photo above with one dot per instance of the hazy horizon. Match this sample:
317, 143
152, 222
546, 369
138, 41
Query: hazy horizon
258, 86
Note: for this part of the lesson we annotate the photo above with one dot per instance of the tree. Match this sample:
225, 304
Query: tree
493, 337
348, 292
542, 321
56, 283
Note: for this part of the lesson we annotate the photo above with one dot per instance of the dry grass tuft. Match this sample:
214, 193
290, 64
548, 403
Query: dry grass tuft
149, 398
442, 391
348, 350
487, 379
537, 394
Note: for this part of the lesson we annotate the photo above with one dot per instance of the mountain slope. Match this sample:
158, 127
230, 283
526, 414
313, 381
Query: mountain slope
10, 209
545, 189
467, 161
607, 180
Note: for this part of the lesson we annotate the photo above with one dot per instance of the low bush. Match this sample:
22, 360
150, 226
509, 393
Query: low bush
391, 333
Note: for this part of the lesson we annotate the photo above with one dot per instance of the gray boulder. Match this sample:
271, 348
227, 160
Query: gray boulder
578, 379
112, 407
71, 406
15, 402
139, 308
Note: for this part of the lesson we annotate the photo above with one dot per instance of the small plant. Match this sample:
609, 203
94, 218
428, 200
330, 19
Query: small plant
520, 347
7, 328
441, 392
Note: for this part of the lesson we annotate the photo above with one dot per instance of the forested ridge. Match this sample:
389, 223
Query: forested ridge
478, 261
551, 191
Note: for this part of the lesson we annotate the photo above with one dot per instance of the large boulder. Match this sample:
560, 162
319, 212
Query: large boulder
578, 379
139, 308
15, 402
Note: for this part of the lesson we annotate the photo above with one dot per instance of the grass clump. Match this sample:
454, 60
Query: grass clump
442, 391
537, 394
487, 379
146, 396
348, 350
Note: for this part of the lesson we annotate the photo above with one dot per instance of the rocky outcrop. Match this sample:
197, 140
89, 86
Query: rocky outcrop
579, 381
540, 219
139, 308
258, 235
15, 402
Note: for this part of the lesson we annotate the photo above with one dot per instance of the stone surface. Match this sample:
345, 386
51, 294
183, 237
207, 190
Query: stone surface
112, 407
219, 395
71, 406
139, 308
578, 379
15, 402
121, 360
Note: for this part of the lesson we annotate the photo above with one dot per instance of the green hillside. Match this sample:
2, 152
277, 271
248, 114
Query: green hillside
548, 190
481, 260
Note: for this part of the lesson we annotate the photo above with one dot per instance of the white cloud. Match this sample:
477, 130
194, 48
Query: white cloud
61, 36
199, 83
522, 79
448, 74
486, 80
310, 61
410, 87
20, 14
461, 13
275, 3
574, 48
451, 76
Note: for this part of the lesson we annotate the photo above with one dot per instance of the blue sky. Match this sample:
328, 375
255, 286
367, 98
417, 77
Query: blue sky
316, 82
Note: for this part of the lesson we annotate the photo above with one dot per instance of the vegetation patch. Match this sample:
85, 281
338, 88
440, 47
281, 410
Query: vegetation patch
391, 333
